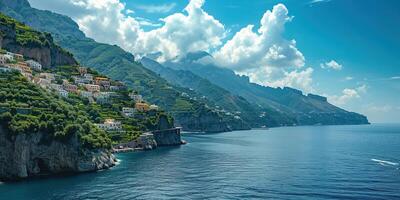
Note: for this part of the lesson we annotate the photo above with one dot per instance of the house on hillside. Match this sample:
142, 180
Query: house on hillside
98, 80
92, 88
128, 112
153, 107
136, 97
103, 100
110, 125
22, 67
15, 56
63, 93
70, 87
88, 77
34, 65
86, 94
48, 76
18, 57
4, 58
142, 107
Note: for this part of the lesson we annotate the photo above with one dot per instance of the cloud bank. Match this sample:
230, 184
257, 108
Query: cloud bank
263, 54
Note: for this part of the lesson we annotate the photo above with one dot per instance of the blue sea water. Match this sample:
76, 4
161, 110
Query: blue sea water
320, 162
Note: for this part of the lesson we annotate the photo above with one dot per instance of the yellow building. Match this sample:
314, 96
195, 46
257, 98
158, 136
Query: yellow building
98, 80
143, 107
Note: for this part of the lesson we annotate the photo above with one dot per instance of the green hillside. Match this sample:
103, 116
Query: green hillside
26, 108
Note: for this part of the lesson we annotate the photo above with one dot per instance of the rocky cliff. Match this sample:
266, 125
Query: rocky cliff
169, 137
208, 122
18, 38
28, 155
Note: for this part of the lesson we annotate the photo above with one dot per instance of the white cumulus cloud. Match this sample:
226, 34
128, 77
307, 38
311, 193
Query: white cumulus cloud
264, 48
348, 95
331, 65
265, 55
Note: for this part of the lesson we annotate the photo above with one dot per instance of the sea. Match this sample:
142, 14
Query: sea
307, 162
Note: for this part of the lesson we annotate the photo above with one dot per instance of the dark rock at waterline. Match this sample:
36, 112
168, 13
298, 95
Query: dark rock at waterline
30, 155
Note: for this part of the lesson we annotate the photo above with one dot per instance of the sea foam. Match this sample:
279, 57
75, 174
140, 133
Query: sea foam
384, 162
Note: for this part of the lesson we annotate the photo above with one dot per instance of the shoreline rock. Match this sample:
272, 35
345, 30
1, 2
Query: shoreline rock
31, 155
152, 140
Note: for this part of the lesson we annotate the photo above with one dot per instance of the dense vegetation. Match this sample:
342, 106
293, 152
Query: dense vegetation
24, 34
26, 108
97, 113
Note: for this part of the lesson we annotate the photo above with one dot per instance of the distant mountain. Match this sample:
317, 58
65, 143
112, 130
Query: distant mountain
222, 99
284, 106
120, 65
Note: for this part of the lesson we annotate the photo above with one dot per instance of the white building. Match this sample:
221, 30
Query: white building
136, 97
16, 56
114, 88
34, 65
88, 77
56, 86
86, 94
153, 107
63, 93
110, 125
4, 58
128, 112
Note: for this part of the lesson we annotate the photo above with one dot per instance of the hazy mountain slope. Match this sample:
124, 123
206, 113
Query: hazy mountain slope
289, 103
222, 98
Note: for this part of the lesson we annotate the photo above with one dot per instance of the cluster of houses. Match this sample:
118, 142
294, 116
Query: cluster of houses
95, 89
12, 61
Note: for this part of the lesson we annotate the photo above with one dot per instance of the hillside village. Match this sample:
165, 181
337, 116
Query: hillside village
84, 83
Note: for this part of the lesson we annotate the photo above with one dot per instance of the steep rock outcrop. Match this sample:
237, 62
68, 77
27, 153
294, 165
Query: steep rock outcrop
208, 122
18, 38
28, 155
169, 137
146, 142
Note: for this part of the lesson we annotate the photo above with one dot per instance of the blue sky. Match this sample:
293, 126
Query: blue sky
352, 47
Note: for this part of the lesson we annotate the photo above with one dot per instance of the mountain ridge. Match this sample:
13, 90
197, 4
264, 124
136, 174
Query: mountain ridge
290, 105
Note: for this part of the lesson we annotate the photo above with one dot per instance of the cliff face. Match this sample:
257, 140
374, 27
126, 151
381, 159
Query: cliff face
206, 122
18, 38
27, 155
170, 137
